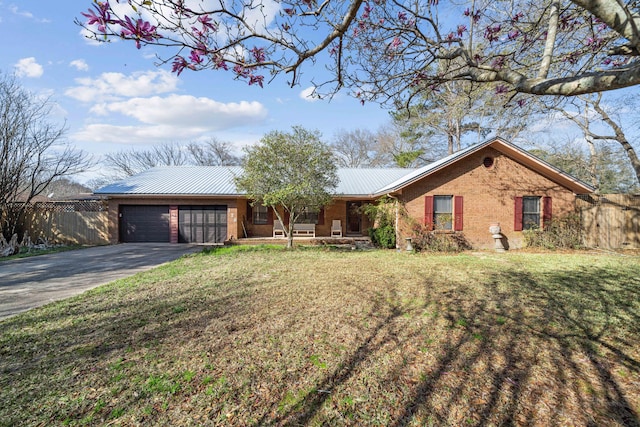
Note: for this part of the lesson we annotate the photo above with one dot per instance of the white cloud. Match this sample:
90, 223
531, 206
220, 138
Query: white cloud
183, 111
26, 14
14, 9
129, 134
175, 117
308, 94
111, 86
28, 67
79, 64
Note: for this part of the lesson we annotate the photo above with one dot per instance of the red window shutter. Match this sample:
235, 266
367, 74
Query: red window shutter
286, 217
546, 211
428, 212
321, 216
517, 225
269, 216
249, 212
457, 213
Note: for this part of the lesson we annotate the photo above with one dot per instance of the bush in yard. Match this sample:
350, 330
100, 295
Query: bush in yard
384, 237
428, 240
561, 233
382, 216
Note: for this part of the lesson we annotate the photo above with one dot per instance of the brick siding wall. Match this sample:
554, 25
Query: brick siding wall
488, 195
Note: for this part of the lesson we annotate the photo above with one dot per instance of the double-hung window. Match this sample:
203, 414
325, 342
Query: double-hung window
308, 217
260, 214
442, 212
530, 212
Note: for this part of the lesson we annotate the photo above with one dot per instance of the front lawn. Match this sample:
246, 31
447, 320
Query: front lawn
317, 337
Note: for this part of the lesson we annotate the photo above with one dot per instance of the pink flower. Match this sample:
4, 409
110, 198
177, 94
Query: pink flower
258, 54
141, 30
491, 32
218, 62
195, 57
102, 18
253, 79
395, 43
179, 64
207, 23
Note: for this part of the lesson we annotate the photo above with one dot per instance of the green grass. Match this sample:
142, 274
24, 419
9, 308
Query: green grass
262, 336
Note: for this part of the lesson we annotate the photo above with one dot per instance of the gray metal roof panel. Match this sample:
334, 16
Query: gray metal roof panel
218, 180
366, 181
187, 180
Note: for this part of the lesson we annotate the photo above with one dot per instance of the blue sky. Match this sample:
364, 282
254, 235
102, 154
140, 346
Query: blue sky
113, 96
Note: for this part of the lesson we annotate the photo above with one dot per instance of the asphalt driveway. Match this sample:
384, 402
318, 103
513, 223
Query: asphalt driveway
31, 282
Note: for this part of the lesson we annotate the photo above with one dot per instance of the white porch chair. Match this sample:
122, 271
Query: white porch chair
336, 228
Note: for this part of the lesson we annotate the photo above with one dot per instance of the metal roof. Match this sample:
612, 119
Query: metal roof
219, 180
364, 182
178, 180
353, 182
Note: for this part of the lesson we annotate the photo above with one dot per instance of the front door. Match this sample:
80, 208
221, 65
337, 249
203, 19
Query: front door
354, 218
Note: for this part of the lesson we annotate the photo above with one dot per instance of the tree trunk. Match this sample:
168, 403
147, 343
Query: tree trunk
619, 136
593, 164
290, 235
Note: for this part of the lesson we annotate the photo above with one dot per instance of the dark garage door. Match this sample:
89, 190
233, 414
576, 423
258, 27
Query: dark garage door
144, 223
202, 224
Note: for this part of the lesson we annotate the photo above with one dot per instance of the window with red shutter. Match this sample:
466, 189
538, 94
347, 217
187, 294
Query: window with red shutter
546, 211
517, 226
428, 212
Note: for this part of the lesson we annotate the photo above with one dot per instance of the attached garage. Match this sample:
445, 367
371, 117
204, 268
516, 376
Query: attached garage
144, 223
151, 223
202, 224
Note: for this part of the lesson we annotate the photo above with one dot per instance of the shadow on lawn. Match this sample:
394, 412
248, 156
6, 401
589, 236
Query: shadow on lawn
526, 350
516, 349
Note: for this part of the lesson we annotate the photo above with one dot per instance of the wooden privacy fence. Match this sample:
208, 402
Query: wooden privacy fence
74, 222
610, 221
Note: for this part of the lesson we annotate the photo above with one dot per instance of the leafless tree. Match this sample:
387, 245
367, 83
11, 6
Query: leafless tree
33, 152
599, 163
133, 161
130, 162
599, 123
213, 153
358, 148
392, 50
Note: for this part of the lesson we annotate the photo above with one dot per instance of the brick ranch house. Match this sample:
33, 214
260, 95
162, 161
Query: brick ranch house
490, 182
